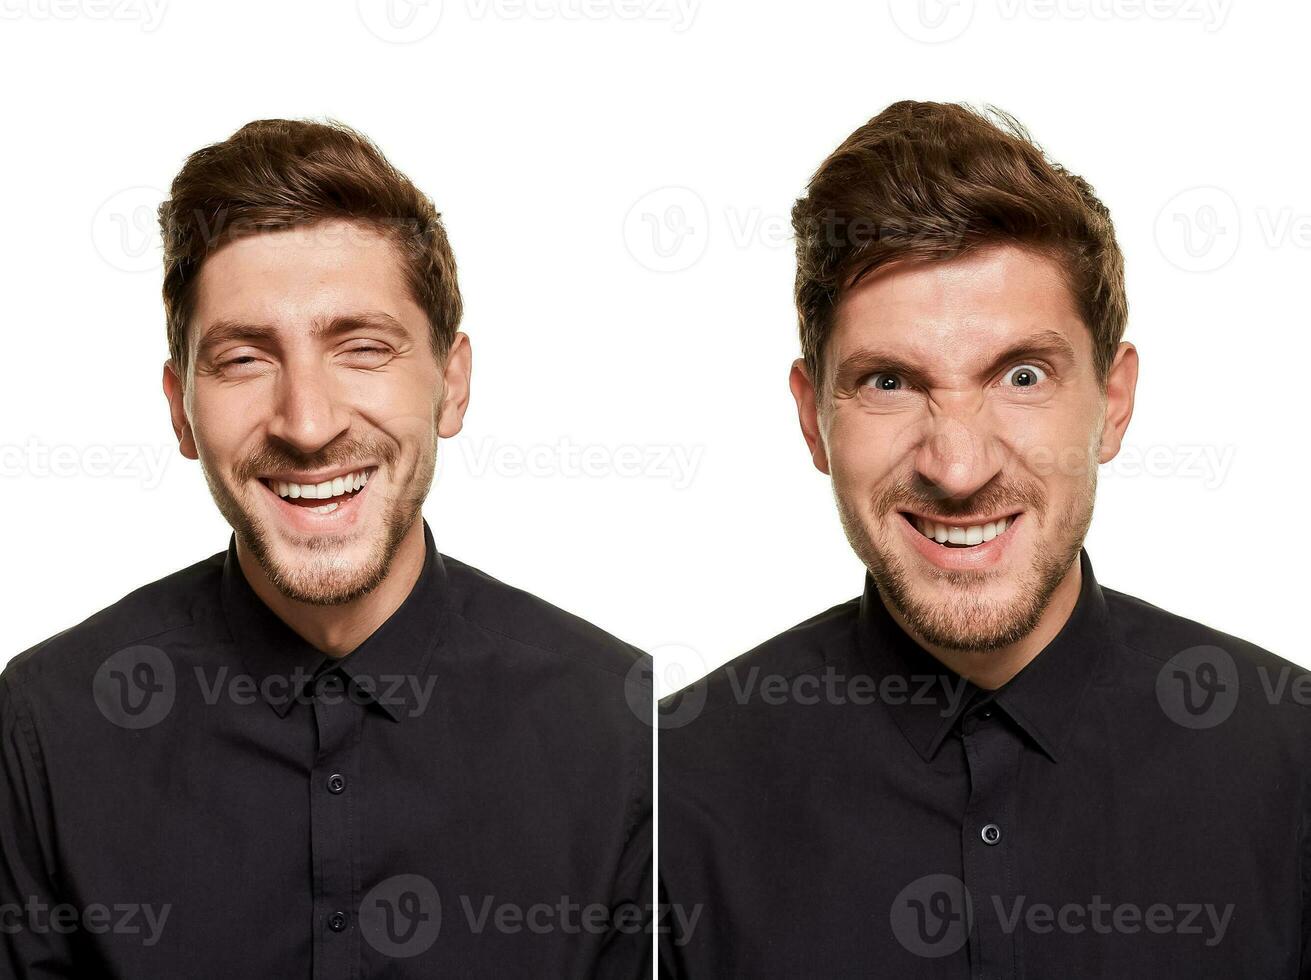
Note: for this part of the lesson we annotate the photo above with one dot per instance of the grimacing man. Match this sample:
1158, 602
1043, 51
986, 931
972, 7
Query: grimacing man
329, 751
987, 765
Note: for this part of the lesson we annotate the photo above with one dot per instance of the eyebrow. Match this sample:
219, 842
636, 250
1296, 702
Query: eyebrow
864, 360
225, 330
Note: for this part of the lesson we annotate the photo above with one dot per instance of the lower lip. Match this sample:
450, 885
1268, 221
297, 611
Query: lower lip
976, 558
304, 519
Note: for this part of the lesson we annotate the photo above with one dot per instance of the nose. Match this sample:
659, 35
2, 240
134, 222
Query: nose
958, 455
308, 411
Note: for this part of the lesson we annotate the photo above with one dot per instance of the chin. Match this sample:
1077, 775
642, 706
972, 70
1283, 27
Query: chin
316, 569
974, 622
336, 574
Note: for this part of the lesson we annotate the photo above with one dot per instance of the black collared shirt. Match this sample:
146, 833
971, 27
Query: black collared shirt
189, 789
1134, 803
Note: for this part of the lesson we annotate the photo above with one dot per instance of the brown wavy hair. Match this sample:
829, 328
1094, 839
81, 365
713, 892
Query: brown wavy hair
283, 173
928, 180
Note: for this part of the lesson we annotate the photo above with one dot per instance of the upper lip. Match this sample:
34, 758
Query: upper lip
963, 521
323, 476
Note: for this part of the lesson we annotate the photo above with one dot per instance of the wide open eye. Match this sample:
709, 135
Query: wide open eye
884, 381
1024, 376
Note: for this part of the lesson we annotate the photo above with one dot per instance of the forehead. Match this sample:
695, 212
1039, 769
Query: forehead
973, 304
295, 275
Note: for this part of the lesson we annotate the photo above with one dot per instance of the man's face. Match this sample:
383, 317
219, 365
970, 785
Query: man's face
962, 423
316, 403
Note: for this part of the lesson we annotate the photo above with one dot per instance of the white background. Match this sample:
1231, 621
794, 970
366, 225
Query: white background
554, 135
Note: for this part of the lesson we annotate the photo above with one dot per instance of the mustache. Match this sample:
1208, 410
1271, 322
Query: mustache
911, 494
271, 458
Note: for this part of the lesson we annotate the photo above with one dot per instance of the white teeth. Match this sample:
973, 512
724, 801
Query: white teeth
956, 534
326, 508
322, 491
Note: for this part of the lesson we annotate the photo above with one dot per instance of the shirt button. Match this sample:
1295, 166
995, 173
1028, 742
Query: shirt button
337, 921
991, 833
986, 713
336, 783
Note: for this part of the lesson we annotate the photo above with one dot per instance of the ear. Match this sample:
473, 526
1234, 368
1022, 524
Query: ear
456, 377
1121, 383
803, 390
173, 391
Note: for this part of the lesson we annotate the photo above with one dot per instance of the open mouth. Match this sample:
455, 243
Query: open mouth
325, 497
960, 535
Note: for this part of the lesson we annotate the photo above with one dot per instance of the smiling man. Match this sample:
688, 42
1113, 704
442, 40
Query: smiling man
987, 765
330, 750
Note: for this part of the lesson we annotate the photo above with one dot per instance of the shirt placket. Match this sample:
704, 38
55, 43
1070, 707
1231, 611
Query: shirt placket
332, 829
988, 841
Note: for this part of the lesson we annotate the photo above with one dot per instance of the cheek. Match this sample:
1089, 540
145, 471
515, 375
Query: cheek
222, 422
864, 450
1050, 444
405, 411
1054, 450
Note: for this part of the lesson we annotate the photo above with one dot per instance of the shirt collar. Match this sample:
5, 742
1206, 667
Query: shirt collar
387, 669
1042, 699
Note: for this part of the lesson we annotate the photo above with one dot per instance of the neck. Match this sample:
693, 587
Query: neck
990, 669
337, 630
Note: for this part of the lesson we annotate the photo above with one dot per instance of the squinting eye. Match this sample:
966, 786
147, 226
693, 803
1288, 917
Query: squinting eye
371, 353
1025, 376
884, 381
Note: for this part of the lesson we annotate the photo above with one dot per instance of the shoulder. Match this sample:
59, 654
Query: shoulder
1175, 655
1161, 635
579, 685
152, 612
507, 615
807, 648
